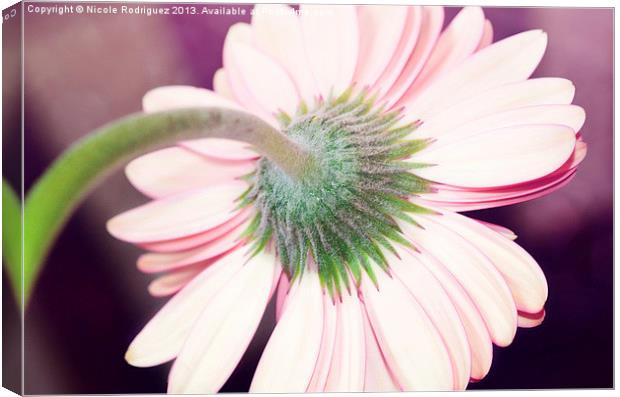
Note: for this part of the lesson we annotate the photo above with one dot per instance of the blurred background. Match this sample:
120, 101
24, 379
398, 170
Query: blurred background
82, 71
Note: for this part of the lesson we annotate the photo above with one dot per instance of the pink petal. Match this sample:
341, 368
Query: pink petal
221, 85
177, 97
268, 83
222, 333
346, 373
432, 21
289, 359
531, 320
499, 157
196, 240
156, 262
162, 338
474, 110
277, 32
331, 37
455, 44
380, 29
403, 51
429, 293
281, 295
506, 61
171, 283
474, 271
178, 216
487, 35
377, 374
326, 352
503, 199
411, 344
480, 345
175, 170
504, 231
219, 148
524, 277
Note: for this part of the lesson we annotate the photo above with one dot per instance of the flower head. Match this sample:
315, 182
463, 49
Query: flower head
380, 284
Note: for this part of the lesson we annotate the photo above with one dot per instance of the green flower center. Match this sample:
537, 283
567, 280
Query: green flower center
341, 213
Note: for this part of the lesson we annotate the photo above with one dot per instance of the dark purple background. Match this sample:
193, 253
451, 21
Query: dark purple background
82, 71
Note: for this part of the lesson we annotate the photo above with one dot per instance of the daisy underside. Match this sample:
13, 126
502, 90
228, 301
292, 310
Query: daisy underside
341, 213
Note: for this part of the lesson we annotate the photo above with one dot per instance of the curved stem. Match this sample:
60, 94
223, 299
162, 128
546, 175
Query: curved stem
78, 170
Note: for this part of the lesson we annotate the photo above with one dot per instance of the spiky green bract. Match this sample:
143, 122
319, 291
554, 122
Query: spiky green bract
339, 215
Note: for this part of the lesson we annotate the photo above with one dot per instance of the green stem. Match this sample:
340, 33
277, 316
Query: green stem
11, 237
83, 166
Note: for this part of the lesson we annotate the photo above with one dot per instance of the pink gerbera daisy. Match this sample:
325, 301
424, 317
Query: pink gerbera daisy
380, 284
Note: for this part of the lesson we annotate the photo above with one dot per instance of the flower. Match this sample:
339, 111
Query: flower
380, 284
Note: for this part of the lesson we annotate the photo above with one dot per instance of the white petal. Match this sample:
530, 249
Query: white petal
178, 216
177, 97
412, 346
432, 21
346, 373
176, 170
162, 338
290, 356
456, 43
499, 157
522, 274
431, 296
542, 91
481, 346
328, 339
224, 330
475, 273
266, 81
377, 374
277, 31
510, 60
331, 39
381, 28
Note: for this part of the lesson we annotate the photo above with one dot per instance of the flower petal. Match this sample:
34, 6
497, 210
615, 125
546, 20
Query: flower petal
277, 32
377, 374
480, 344
510, 60
196, 240
524, 277
180, 96
412, 346
178, 216
432, 21
406, 45
473, 270
381, 28
221, 85
176, 170
531, 320
431, 296
290, 356
281, 295
171, 283
524, 94
456, 43
331, 38
267, 83
162, 338
487, 35
224, 330
328, 339
499, 157
157, 262
221, 148
348, 363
